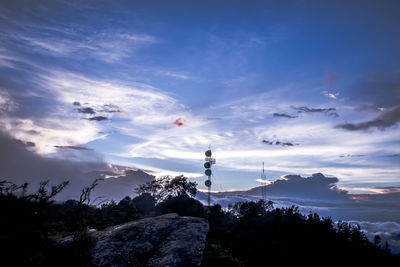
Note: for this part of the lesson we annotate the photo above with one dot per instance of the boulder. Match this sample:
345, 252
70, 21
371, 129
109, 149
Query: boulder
167, 240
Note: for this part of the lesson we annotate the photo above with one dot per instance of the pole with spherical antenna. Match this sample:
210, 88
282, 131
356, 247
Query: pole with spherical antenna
209, 162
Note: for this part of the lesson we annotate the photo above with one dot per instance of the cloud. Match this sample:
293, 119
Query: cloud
106, 108
331, 112
330, 95
317, 187
179, 122
284, 115
19, 165
106, 45
30, 144
46, 133
98, 118
381, 91
111, 108
86, 110
388, 118
278, 143
351, 156
238, 107
388, 231
73, 147
387, 189
6, 102
175, 75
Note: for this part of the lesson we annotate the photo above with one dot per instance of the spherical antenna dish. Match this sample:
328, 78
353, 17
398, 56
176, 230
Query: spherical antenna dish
208, 153
207, 183
208, 172
207, 165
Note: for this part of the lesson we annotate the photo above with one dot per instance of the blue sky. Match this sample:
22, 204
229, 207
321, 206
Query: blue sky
150, 84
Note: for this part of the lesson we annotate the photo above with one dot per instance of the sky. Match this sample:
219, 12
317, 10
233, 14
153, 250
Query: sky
303, 86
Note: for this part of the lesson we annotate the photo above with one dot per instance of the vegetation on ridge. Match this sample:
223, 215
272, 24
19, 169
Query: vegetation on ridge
246, 234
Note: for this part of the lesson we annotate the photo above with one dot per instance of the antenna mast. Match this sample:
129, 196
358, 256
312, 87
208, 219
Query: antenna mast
263, 187
209, 162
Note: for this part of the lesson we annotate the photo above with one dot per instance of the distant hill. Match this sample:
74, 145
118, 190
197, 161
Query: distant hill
116, 188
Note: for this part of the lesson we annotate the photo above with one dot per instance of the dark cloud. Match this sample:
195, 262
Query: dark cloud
30, 144
376, 91
267, 142
317, 186
387, 119
98, 118
179, 122
19, 165
278, 143
73, 147
320, 194
86, 110
351, 156
284, 115
107, 108
331, 112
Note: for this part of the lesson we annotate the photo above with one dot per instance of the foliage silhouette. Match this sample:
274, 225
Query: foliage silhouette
165, 187
245, 234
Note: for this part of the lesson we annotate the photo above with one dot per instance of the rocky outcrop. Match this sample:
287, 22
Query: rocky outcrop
167, 240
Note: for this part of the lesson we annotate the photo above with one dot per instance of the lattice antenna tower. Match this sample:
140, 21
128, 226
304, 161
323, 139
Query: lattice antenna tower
263, 184
209, 161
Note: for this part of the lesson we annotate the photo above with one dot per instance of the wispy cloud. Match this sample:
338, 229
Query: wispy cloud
106, 45
6, 103
176, 75
73, 147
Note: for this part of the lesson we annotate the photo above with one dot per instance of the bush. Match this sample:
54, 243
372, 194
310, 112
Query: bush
182, 205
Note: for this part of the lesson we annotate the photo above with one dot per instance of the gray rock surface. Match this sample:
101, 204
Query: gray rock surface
167, 240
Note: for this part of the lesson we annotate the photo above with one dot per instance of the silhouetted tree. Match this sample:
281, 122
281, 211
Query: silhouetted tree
164, 187
145, 203
182, 205
80, 228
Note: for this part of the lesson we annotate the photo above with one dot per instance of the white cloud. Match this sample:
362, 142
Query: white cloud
49, 132
330, 94
172, 74
388, 231
6, 103
108, 45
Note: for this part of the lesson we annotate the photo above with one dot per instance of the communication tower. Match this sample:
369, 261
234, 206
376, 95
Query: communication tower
209, 162
263, 184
